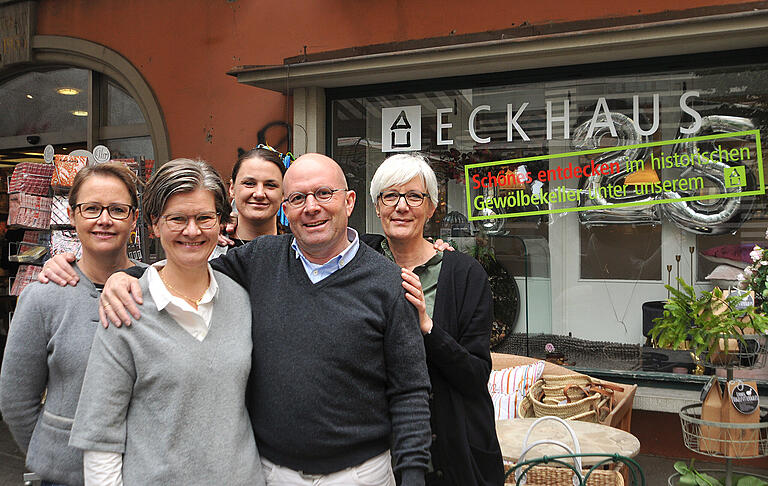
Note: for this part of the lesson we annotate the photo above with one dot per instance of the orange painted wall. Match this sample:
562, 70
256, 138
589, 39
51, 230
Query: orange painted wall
184, 47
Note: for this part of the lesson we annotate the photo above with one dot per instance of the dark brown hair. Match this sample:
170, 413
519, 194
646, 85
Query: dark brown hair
111, 169
258, 153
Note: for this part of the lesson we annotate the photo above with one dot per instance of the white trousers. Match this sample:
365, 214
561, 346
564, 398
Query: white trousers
376, 471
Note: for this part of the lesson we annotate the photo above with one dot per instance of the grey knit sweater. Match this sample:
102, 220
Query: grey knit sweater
172, 405
48, 345
339, 371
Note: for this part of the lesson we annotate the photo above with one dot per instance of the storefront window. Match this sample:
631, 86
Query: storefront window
45, 101
583, 276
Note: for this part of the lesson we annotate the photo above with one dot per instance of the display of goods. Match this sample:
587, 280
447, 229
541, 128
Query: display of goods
66, 168
37, 237
29, 211
59, 216
31, 178
65, 241
24, 276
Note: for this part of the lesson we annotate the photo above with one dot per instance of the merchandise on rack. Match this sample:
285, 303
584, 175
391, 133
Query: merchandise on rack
24, 276
29, 211
31, 178
65, 241
59, 216
65, 169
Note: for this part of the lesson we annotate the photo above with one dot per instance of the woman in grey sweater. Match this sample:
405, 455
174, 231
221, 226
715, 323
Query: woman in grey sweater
163, 401
52, 329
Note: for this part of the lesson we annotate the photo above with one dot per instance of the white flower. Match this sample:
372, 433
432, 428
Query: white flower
748, 272
763, 262
740, 277
756, 254
766, 234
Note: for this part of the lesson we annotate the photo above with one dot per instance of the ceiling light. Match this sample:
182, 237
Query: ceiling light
29, 96
79, 112
68, 91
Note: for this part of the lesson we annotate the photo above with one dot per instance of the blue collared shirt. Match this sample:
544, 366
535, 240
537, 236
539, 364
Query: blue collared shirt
318, 271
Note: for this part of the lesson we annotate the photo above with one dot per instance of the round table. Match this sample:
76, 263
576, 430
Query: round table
593, 438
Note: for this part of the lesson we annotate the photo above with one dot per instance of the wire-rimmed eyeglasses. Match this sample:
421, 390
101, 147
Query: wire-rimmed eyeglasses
321, 194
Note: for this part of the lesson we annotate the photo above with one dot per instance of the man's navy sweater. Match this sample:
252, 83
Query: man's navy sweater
339, 372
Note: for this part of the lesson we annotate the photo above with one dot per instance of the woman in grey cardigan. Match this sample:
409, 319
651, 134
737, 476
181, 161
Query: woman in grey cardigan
163, 400
52, 328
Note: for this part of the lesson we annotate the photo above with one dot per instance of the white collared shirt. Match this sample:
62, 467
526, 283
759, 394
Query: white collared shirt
195, 322
318, 271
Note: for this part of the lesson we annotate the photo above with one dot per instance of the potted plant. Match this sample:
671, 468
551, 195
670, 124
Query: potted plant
705, 322
689, 476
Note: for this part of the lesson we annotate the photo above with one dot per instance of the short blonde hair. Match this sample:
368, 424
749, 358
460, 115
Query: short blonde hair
401, 168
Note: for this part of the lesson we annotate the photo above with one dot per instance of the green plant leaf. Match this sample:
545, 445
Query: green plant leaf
751, 481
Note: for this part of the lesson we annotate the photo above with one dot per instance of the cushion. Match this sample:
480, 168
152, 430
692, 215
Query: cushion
505, 405
515, 380
724, 272
510, 385
729, 254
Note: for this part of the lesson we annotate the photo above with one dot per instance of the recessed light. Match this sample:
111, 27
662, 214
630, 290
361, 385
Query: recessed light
68, 91
29, 96
79, 112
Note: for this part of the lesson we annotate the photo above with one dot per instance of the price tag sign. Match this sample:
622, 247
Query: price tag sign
48, 154
101, 154
744, 398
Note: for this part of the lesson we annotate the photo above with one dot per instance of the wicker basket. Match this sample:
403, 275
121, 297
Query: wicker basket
583, 409
563, 476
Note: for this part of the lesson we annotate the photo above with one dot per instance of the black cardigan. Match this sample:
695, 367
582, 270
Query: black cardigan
465, 449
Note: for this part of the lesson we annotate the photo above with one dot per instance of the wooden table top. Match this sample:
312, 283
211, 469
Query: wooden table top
593, 438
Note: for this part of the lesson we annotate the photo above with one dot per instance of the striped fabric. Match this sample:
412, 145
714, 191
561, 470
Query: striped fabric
508, 387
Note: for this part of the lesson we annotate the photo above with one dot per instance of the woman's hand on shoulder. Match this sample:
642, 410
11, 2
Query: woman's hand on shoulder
415, 295
120, 295
441, 245
59, 270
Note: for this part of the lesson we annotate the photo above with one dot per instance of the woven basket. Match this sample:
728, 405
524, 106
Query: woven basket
563, 476
581, 409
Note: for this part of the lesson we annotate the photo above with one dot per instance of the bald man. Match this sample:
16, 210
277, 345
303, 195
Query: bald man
338, 385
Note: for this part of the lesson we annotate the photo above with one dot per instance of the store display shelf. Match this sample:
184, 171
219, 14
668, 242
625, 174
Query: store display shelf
724, 439
29, 253
751, 354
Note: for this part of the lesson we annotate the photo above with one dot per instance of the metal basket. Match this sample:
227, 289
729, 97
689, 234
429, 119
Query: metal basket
721, 439
751, 354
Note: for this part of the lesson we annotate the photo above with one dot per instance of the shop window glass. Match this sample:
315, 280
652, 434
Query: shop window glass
45, 101
587, 273
122, 109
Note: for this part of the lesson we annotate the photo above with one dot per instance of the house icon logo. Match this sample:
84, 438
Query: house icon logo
401, 129
735, 176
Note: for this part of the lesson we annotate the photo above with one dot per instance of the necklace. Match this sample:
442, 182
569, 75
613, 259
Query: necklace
171, 287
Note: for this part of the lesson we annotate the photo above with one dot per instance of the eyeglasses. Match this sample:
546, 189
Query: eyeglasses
322, 194
90, 210
179, 221
412, 198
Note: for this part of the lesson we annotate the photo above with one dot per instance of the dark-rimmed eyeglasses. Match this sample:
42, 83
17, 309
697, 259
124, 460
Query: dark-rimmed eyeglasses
90, 210
322, 194
412, 198
179, 221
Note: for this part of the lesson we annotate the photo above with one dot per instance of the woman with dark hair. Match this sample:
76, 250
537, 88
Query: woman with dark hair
52, 328
256, 189
451, 292
163, 401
